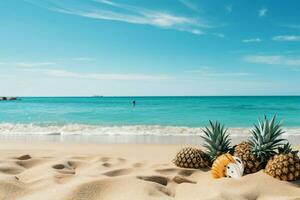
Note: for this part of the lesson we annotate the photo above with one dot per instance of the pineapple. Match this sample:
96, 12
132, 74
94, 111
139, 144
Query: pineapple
191, 158
285, 165
250, 161
262, 145
216, 142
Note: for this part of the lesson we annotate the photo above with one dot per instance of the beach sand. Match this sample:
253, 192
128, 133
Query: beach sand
52, 171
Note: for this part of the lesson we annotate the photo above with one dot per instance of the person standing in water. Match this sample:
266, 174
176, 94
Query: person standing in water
133, 103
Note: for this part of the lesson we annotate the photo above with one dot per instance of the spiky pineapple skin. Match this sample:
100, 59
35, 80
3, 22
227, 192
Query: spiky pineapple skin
190, 157
285, 166
251, 163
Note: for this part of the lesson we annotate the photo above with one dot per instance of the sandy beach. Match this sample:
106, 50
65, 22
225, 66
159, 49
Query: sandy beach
43, 170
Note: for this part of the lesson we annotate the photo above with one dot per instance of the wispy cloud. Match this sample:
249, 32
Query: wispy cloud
207, 72
105, 76
288, 38
61, 73
189, 4
32, 64
110, 10
273, 60
49, 63
108, 2
262, 12
228, 8
83, 59
252, 40
220, 35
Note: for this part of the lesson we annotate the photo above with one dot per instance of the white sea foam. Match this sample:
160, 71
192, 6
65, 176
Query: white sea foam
81, 129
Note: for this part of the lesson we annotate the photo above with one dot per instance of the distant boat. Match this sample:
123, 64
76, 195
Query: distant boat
97, 96
9, 98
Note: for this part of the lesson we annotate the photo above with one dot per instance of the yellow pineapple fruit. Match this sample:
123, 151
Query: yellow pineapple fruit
191, 158
285, 165
261, 146
216, 141
250, 161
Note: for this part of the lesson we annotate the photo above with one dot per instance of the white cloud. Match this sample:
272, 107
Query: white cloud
55, 62
60, 73
289, 38
262, 12
108, 2
224, 74
189, 4
206, 72
33, 64
134, 15
273, 60
196, 32
252, 40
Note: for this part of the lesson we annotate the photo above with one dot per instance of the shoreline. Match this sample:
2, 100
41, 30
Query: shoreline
156, 130
123, 139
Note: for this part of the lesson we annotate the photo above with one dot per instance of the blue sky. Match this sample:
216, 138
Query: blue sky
157, 47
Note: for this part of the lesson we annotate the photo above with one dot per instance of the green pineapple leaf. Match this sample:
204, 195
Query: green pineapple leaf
265, 140
216, 140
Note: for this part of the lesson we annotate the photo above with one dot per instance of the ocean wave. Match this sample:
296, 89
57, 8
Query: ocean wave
82, 129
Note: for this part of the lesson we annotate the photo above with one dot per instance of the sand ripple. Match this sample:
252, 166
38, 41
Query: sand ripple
105, 176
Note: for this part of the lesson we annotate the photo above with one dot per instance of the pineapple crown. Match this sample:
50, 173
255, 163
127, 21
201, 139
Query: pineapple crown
216, 140
265, 139
286, 148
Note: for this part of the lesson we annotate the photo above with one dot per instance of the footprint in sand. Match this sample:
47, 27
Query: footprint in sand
175, 171
70, 164
11, 168
112, 162
156, 179
107, 164
68, 168
138, 165
81, 157
180, 179
186, 172
30, 162
24, 157
167, 171
62, 169
58, 166
118, 172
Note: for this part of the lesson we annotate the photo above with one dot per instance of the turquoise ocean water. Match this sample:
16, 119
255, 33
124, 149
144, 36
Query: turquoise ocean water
156, 114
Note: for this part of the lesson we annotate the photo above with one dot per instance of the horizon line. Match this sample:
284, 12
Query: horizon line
103, 96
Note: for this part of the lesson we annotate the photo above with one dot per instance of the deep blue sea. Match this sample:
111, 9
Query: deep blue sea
150, 114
